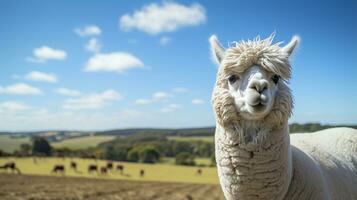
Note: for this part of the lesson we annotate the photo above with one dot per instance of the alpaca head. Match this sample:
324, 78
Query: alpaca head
251, 80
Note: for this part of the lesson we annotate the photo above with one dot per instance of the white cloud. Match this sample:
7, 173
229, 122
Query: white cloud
42, 77
165, 40
91, 30
13, 106
197, 101
115, 61
93, 45
68, 92
143, 101
156, 97
92, 101
170, 108
166, 17
180, 90
161, 95
20, 89
44, 53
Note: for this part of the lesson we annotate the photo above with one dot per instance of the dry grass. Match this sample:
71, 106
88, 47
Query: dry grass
66, 188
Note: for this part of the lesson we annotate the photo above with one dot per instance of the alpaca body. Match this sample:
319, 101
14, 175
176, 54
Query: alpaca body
332, 153
317, 166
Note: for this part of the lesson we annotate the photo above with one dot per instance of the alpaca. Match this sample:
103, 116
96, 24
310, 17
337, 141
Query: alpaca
256, 157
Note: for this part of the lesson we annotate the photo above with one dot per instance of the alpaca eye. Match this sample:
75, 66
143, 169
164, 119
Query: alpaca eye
275, 78
232, 79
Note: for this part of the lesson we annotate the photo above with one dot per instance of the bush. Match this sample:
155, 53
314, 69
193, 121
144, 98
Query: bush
184, 159
119, 153
213, 160
133, 155
25, 149
149, 155
146, 154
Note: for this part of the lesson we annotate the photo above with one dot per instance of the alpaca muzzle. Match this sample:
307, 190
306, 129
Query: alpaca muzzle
255, 98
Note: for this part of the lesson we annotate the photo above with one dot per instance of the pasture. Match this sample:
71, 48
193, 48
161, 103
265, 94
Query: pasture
9, 144
82, 142
153, 172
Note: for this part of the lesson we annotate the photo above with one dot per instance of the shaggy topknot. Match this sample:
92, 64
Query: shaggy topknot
258, 52
239, 58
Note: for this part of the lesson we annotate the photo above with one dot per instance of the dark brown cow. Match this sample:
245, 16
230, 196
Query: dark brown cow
12, 166
58, 169
110, 165
142, 173
199, 172
74, 165
92, 168
120, 168
103, 171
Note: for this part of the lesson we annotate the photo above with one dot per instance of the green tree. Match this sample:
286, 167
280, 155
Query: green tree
180, 147
133, 155
25, 149
213, 160
119, 153
185, 159
41, 146
203, 149
149, 155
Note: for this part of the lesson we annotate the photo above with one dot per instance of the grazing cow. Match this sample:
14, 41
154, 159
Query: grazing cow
103, 171
58, 169
74, 165
110, 165
12, 166
199, 172
142, 173
92, 168
120, 168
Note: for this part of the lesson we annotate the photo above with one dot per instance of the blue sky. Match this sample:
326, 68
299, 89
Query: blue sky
92, 65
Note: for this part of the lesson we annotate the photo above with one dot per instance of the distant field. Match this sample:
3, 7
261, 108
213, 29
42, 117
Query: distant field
195, 138
153, 172
82, 142
9, 144
199, 161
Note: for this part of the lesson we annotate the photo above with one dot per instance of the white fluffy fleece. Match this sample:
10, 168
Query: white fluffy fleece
257, 158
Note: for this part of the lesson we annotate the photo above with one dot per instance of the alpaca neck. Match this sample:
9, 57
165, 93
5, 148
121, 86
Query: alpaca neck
253, 160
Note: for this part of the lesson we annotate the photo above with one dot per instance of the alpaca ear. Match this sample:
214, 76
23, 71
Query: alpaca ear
217, 49
289, 48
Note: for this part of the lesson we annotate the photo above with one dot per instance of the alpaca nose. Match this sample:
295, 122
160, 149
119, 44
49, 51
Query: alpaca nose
259, 85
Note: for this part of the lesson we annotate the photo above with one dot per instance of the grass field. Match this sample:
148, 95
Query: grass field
82, 142
190, 139
153, 172
9, 144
